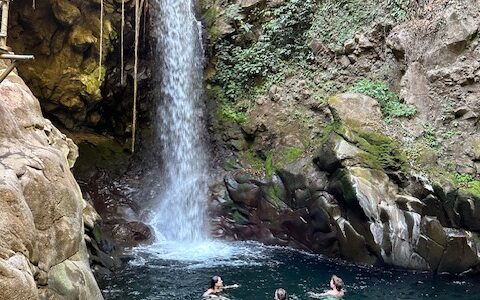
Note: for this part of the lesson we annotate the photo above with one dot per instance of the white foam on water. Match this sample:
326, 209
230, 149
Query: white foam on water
203, 254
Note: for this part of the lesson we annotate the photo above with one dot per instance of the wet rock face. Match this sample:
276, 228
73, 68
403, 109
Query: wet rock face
361, 202
66, 76
441, 75
42, 205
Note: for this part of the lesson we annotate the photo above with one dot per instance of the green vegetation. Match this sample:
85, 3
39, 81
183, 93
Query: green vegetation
93, 82
272, 161
269, 167
390, 103
430, 135
210, 14
253, 159
227, 113
292, 154
465, 182
450, 133
384, 153
283, 38
337, 21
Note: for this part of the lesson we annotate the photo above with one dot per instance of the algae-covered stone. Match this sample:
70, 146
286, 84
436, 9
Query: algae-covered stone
92, 83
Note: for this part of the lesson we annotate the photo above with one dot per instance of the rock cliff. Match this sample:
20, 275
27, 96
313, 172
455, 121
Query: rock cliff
349, 129
75, 90
43, 252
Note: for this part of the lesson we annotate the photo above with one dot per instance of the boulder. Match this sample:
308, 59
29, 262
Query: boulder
132, 233
357, 111
460, 252
243, 193
468, 207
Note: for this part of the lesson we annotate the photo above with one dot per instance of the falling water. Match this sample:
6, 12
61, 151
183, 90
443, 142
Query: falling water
181, 205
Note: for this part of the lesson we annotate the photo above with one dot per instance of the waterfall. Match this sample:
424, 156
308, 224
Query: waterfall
180, 211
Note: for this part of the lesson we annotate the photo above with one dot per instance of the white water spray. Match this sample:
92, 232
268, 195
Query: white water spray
180, 215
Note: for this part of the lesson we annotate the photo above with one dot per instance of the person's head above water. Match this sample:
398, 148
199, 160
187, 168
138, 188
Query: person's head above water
216, 282
281, 294
336, 283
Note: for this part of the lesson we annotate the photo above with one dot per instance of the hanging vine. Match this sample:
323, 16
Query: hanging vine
122, 79
101, 42
138, 11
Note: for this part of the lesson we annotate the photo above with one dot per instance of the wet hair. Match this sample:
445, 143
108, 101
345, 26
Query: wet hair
281, 294
337, 282
213, 281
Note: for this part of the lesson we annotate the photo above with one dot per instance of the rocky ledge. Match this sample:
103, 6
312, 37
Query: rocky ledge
356, 197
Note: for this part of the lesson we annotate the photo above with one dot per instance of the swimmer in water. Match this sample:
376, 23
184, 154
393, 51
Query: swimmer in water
337, 289
280, 294
216, 287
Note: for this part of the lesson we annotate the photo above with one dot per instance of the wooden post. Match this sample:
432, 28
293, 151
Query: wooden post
4, 24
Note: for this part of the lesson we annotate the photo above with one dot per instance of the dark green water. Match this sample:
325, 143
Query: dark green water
173, 271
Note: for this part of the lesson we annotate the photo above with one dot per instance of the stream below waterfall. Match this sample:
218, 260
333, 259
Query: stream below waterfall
182, 271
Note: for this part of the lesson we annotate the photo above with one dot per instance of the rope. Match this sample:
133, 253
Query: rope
138, 10
122, 79
135, 73
101, 42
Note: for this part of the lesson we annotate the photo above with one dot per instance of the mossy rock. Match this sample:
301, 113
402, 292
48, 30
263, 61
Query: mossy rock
364, 148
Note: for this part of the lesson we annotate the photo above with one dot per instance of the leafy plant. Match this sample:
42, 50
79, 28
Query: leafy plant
390, 103
229, 114
467, 182
430, 135
283, 38
337, 21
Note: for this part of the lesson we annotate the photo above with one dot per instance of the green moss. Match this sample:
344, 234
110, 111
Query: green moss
253, 159
292, 154
474, 188
275, 195
327, 130
269, 168
93, 82
466, 182
210, 14
239, 218
384, 152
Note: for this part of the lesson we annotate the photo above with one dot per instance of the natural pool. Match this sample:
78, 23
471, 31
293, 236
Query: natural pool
183, 271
